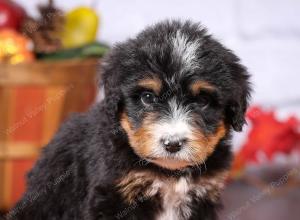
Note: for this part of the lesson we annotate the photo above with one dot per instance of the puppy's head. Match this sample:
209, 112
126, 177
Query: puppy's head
177, 93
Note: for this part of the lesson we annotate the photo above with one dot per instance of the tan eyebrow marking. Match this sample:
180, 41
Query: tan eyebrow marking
151, 83
199, 85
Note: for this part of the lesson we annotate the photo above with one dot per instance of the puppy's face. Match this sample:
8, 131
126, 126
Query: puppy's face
180, 92
173, 124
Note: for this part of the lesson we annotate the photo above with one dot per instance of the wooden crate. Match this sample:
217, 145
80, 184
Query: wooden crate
34, 100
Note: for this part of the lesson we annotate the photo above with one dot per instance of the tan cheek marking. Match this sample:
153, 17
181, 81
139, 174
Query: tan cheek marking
203, 146
136, 184
214, 139
151, 83
140, 140
199, 85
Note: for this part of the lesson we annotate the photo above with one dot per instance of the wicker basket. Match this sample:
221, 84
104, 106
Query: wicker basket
34, 99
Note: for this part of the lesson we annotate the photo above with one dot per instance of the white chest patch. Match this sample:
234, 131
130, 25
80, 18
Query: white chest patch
175, 200
176, 194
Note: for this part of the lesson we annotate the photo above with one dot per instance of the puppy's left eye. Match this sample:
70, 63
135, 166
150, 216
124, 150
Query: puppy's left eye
148, 98
203, 100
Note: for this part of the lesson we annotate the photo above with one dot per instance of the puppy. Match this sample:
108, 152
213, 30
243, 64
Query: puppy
158, 146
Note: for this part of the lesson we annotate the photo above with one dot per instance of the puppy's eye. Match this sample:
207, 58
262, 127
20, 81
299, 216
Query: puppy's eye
203, 101
148, 98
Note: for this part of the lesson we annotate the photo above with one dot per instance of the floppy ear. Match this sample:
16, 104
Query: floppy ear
110, 81
237, 107
236, 115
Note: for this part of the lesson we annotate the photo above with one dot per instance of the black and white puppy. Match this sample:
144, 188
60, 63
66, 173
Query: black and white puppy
158, 145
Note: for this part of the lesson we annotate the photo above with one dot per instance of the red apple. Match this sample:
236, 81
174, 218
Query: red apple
11, 14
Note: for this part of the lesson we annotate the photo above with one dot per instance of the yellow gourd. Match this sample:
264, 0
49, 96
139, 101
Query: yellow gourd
80, 28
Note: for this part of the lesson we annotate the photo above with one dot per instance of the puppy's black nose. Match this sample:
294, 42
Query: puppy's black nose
173, 146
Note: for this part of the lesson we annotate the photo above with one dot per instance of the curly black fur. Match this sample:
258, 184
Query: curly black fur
75, 177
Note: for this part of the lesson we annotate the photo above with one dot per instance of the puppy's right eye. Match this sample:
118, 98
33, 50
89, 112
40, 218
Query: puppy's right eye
148, 98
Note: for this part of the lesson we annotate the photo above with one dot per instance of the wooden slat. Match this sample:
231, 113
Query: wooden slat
29, 107
19, 151
55, 102
2, 184
20, 169
4, 107
5, 100
89, 97
49, 73
7, 166
7, 184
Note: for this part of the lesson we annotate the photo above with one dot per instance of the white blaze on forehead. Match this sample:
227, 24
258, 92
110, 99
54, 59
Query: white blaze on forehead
185, 50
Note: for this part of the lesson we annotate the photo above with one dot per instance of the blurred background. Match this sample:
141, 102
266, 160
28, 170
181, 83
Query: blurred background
50, 50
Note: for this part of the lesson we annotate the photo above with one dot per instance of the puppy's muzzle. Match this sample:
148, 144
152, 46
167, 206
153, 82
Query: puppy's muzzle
173, 144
